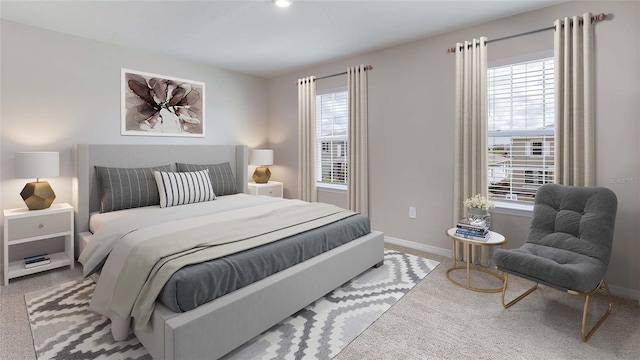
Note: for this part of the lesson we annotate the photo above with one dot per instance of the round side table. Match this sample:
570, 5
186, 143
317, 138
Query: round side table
494, 239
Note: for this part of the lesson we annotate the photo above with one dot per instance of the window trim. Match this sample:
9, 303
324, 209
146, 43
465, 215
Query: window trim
332, 186
512, 208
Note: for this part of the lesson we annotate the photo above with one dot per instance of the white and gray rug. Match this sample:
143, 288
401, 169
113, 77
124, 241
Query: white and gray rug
64, 328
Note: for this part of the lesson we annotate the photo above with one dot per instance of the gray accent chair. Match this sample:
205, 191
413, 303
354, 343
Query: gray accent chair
568, 246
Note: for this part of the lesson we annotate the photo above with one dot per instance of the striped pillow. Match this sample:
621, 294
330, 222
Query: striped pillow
222, 179
179, 188
126, 188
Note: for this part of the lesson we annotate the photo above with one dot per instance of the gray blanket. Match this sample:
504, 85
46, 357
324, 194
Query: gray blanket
139, 266
198, 284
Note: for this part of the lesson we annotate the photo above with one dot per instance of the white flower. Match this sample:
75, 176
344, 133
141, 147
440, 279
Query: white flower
478, 201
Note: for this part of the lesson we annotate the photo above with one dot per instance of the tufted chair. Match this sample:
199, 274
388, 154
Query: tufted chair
568, 246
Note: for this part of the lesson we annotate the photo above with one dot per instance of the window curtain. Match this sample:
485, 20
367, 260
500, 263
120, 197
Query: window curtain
470, 164
358, 169
573, 50
306, 139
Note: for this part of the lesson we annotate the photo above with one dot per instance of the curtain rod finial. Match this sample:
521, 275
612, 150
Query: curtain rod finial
601, 16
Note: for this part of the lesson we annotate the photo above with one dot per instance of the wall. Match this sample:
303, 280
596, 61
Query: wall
60, 90
411, 100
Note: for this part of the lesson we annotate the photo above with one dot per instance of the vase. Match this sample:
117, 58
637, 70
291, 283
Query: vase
479, 214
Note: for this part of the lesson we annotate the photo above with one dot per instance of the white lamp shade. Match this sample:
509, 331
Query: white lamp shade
37, 165
262, 157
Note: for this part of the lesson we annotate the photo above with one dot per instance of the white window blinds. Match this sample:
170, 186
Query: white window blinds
520, 129
331, 138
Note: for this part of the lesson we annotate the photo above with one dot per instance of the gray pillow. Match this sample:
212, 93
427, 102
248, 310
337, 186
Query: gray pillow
222, 179
126, 188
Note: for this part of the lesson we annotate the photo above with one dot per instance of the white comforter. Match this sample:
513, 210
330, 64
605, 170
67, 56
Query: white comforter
111, 227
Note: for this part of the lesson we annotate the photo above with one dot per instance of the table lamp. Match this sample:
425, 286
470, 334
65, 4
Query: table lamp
37, 195
262, 158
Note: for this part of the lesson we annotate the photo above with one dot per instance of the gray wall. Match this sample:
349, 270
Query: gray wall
58, 90
411, 100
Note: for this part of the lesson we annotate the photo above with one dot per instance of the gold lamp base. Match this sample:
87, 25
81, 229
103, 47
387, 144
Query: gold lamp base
38, 195
261, 175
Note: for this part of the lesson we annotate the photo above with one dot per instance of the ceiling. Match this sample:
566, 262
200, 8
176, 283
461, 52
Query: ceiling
256, 37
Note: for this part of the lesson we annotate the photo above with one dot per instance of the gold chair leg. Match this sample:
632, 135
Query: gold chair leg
602, 284
504, 290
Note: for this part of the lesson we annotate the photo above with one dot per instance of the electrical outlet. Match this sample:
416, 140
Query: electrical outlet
412, 212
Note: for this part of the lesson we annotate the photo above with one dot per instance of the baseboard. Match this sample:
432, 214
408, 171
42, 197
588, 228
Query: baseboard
618, 291
417, 246
626, 293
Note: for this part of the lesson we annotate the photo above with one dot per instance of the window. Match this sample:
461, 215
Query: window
536, 148
331, 138
520, 129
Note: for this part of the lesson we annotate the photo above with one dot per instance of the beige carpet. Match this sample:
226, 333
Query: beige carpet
435, 320
438, 320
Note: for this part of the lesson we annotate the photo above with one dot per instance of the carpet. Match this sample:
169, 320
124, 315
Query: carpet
63, 327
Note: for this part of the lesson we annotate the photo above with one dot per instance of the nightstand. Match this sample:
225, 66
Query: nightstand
272, 188
24, 226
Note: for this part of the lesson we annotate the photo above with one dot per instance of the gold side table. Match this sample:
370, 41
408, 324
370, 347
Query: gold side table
494, 239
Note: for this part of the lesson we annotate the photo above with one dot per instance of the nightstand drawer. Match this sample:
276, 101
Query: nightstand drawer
275, 191
272, 188
26, 227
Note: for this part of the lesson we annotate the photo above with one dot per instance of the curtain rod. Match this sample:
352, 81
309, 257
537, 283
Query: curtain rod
594, 18
367, 67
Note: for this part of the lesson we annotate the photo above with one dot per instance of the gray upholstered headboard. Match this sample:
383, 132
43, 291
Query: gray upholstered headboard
86, 157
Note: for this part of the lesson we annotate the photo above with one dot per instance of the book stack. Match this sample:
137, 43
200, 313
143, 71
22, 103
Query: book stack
38, 260
472, 229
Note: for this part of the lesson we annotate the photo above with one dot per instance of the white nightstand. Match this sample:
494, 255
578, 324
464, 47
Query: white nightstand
24, 226
272, 188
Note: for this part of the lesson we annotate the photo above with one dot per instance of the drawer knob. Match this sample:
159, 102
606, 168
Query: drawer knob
40, 226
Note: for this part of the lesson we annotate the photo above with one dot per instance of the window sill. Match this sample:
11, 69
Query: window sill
509, 208
332, 187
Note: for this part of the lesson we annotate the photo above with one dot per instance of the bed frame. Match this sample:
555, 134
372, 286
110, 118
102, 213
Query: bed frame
216, 328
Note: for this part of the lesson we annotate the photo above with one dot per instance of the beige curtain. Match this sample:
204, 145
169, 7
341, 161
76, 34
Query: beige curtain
470, 168
307, 139
358, 169
574, 102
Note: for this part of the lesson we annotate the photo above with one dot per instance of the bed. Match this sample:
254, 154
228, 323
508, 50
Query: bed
245, 312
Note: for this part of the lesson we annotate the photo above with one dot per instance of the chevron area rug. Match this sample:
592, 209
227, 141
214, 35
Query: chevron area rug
64, 328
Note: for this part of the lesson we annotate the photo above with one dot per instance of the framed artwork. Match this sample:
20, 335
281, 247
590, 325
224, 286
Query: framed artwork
158, 105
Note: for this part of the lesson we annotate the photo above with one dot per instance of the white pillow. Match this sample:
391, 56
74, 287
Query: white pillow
178, 188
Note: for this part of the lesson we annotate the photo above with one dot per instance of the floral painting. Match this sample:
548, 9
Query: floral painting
158, 105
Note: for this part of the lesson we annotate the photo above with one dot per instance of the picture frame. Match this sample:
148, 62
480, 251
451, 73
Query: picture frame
160, 105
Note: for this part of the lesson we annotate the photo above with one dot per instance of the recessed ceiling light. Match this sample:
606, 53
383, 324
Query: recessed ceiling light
282, 3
